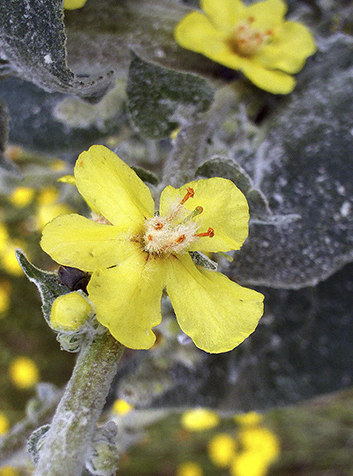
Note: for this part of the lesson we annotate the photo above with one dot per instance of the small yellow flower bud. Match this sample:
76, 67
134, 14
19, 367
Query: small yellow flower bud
70, 311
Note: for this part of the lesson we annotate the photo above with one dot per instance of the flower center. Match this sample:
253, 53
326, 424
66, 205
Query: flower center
247, 40
174, 232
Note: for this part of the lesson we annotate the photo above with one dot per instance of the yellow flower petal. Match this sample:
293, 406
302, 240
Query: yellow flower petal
289, 50
76, 241
73, 4
223, 13
195, 32
215, 312
112, 187
275, 82
70, 311
267, 14
127, 299
225, 210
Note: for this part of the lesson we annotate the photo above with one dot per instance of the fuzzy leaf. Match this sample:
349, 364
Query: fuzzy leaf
36, 442
33, 41
155, 93
48, 283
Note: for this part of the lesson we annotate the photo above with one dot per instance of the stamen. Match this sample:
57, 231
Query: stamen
180, 239
158, 225
189, 194
209, 232
251, 19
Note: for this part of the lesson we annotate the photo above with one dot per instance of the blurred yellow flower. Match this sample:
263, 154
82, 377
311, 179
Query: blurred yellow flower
8, 471
49, 207
8, 260
73, 4
248, 419
189, 468
122, 407
22, 196
133, 254
23, 372
254, 39
221, 449
260, 448
5, 297
199, 419
4, 424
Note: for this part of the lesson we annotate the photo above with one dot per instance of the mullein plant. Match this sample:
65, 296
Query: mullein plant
127, 253
130, 255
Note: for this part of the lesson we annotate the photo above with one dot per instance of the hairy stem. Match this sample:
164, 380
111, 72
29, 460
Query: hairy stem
68, 441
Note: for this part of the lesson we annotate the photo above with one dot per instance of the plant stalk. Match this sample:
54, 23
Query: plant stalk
68, 440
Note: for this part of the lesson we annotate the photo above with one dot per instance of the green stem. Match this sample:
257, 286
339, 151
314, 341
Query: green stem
68, 441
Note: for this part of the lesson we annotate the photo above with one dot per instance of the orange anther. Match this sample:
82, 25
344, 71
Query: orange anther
189, 194
158, 226
150, 237
251, 19
181, 239
209, 232
269, 32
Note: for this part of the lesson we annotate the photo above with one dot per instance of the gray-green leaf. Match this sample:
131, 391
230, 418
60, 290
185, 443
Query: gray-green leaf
155, 95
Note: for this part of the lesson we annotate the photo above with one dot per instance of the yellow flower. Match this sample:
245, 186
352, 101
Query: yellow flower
4, 424
254, 39
122, 407
199, 419
73, 4
5, 297
133, 254
22, 196
189, 468
221, 449
49, 207
260, 449
8, 471
248, 419
23, 372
